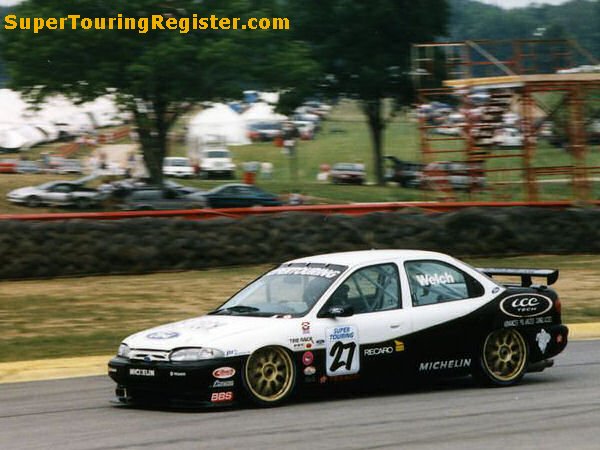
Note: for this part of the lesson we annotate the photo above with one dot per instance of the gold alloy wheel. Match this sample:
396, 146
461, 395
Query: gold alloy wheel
505, 355
270, 374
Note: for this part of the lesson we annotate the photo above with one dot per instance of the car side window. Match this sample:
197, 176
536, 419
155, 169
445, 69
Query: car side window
433, 282
229, 191
370, 289
61, 188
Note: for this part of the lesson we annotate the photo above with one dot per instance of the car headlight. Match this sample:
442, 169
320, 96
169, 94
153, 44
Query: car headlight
195, 354
123, 351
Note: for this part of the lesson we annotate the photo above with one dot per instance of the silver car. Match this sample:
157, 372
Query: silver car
57, 193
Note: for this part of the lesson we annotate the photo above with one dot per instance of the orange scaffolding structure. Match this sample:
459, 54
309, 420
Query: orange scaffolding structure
511, 74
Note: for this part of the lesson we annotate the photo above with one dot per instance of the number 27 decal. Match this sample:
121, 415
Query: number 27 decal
342, 357
339, 359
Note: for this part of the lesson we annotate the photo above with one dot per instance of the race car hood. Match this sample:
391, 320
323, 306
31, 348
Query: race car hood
203, 331
24, 192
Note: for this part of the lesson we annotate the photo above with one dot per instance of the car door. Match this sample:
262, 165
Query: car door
225, 198
370, 337
59, 194
447, 301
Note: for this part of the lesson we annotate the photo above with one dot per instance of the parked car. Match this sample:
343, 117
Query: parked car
357, 318
216, 162
120, 188
25, 166
264, 131
57, 193
508, 138
458, 176
19, 166
406, 174
156, 198
58, 164
174, 166
238, 195
349, 173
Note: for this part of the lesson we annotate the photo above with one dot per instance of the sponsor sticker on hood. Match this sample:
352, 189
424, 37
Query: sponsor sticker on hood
162, 335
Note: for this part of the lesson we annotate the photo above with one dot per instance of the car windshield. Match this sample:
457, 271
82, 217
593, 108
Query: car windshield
217, 154
46, 185
289, 290
356, 167
177, 162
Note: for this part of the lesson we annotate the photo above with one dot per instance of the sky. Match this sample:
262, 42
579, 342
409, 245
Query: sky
502, 3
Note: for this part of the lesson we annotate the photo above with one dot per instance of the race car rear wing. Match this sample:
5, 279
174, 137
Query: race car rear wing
526, 275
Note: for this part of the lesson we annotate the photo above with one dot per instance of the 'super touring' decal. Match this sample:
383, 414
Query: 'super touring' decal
342, 350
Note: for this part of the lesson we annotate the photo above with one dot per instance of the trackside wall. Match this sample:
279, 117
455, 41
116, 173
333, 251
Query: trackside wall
80, 247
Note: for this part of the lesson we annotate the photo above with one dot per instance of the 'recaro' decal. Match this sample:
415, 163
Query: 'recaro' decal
525, 305
399, 345
377, 351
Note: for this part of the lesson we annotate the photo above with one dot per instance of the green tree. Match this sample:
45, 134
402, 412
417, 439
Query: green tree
156, 75
364, 50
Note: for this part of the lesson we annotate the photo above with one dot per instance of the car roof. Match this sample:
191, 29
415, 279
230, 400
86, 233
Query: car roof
361, 257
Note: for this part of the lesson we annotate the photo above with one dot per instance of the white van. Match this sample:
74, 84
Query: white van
216, 162
175, 166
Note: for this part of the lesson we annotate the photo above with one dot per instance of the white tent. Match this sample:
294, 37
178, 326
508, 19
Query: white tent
104, 112
12, 108
261, 112
219, 121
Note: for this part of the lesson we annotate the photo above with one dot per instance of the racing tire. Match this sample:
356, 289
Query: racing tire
33, 201
269, 376
503, 358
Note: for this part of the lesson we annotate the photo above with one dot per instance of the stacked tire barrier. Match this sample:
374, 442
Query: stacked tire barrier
80, 247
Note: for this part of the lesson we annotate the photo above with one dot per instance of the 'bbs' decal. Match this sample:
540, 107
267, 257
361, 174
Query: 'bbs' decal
526, 305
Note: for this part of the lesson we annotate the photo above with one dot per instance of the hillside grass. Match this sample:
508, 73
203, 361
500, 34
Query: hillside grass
90, 315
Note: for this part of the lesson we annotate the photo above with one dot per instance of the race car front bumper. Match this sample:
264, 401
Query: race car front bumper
203, 383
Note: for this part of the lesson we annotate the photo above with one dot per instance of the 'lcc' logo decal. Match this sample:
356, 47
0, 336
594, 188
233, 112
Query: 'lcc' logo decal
528, 305
525, 302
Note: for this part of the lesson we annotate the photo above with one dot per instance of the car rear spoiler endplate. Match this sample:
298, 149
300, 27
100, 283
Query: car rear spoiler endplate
526, 275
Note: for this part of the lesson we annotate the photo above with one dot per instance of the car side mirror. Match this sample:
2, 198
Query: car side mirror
337, 311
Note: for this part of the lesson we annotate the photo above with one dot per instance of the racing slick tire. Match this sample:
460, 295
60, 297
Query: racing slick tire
502, 360
269, 376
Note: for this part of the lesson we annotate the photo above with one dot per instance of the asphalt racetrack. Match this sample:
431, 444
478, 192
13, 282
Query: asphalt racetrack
555, 409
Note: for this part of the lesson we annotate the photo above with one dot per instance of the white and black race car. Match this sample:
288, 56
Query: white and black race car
367, 316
